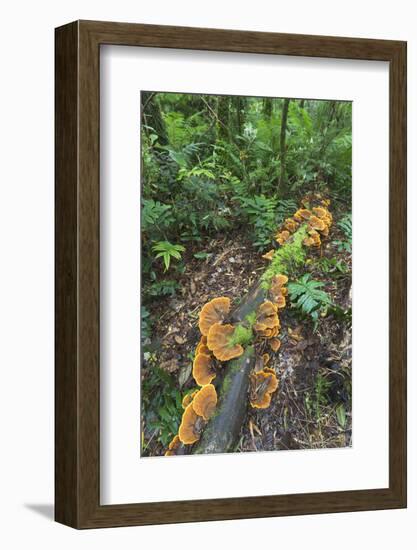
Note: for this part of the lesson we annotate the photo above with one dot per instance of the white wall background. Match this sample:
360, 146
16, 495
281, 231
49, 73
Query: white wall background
26, 273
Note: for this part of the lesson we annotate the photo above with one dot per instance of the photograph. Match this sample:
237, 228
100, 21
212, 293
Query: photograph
246, 274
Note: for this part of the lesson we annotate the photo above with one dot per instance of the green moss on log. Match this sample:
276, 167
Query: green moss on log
287, 258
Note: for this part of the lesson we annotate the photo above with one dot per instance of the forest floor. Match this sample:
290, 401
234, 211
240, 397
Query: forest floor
312, 407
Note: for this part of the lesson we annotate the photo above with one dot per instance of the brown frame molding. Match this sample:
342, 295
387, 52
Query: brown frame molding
77, 274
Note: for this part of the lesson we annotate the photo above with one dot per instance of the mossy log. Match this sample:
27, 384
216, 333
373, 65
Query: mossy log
222, 432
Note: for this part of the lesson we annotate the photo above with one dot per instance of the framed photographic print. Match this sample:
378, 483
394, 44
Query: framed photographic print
230, 274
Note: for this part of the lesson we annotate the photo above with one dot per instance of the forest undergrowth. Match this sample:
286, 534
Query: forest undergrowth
219, 175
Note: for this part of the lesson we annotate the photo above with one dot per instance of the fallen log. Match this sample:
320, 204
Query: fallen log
220, 434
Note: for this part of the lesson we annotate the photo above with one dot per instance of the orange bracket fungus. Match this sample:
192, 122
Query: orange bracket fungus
213, 312
282, 236
277, 290
316, 223
290, 225
173, 446
205, 401
188, 399
269, 255
313, 239
320, 212
202, 346
275, 344
269, 370
280, 280
218, 341
203, 369
268, 332
191, 426
302, 215
266, 317
263, 384
265, 358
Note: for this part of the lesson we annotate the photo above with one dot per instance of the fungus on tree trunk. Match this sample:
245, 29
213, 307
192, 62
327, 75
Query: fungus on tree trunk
262, 385
191, 426
302, 215
213, 312
282, 236
188, 398
203, 369
269, 255
219, 342
205, 401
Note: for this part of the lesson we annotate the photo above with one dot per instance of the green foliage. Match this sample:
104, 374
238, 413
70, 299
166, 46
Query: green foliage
155, 215
162, 409
319, 144
166, 251
321, 388
341, 314
285, 209
202, 255
260, 212
145, 327
345, 225
251, 318
165, 287
242, 335
332, 266
288, 258
341, 415
307, 296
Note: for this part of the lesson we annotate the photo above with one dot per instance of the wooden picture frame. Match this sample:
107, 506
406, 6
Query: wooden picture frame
77, 405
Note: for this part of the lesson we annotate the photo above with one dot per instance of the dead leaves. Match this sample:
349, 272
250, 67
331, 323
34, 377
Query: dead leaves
171, 365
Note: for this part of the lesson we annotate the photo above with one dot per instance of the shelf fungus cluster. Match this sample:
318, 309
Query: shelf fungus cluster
263, 380
267, 324
199, 407
262, 385
214, 348
318, 221
196, 414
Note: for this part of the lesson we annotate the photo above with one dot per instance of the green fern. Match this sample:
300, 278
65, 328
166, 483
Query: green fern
155, 214
307, 296
345, 225
285, 209
261, 214
166, 251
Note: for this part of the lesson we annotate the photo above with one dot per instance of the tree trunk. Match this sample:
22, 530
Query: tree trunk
240, 114
284, 117
152, 116
267, 107
223, 106
222, 432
